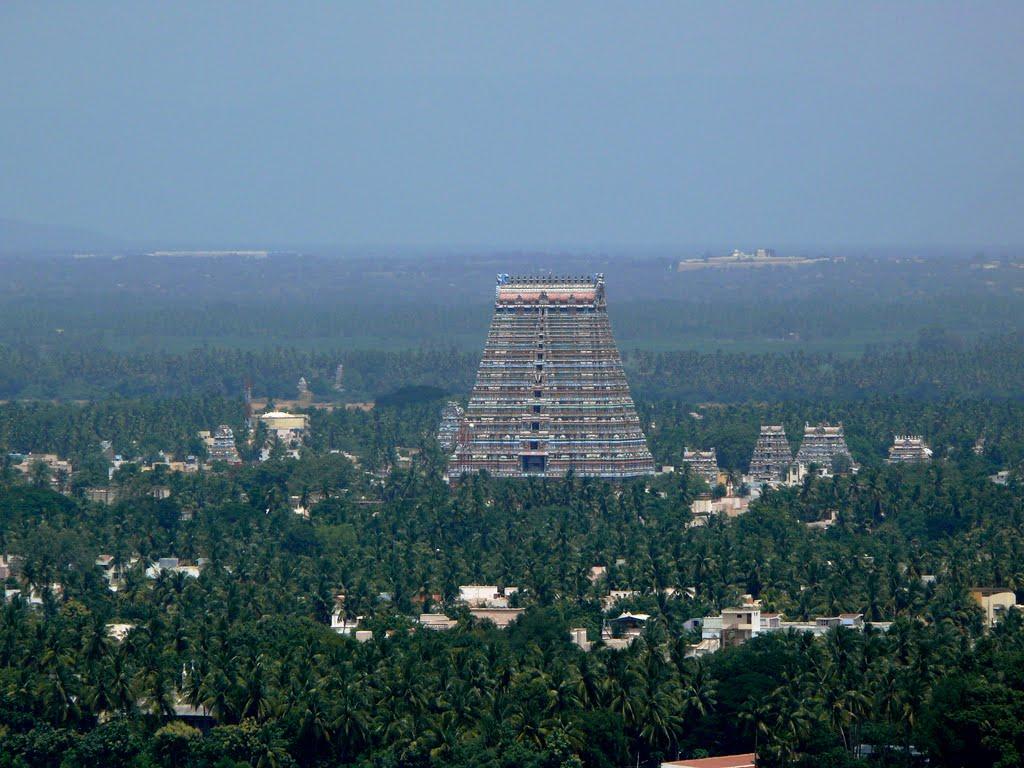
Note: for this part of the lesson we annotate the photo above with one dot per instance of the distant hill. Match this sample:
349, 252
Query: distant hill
26, 238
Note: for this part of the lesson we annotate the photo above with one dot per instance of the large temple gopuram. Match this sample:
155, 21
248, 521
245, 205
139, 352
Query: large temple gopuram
551, 395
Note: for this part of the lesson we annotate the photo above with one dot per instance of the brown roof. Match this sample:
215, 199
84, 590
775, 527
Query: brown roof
723, 761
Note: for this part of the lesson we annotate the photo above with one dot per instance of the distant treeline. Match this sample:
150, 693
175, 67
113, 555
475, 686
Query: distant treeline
936, 366
384, 302
752, 323
97, 373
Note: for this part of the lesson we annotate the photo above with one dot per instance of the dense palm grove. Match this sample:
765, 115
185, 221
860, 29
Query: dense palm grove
249, 641
143, 352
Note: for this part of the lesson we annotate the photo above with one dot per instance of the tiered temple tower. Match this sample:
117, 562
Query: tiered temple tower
909, 449
703, 464
823, 444
551, 395
772, 455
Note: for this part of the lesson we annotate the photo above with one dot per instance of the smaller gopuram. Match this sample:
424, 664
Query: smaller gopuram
772, 455
909, 449
822, 445
704, 464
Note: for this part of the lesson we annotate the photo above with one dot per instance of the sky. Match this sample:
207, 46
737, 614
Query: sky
554, 124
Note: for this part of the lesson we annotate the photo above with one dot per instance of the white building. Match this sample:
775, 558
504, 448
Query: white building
486, 595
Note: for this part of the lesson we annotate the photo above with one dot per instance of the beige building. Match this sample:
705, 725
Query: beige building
279, 421
501, 617
578, 637
437, 621
486, 595
730, 506
741, 624
994, 601
60, 469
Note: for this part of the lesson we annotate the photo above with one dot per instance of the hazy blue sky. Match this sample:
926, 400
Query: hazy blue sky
516, 124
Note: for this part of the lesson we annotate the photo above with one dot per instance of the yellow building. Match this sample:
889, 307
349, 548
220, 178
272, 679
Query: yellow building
279, 421
994, 601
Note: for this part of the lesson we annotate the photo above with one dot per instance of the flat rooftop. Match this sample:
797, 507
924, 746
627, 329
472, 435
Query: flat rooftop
745, 760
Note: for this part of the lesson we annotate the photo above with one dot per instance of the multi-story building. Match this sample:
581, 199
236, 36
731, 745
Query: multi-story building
909, 449
734, 626
704, 464
823, 445
772, 455
551, 395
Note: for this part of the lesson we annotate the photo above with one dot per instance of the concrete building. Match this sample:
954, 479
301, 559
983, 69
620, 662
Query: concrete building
343, 625
994, 601
486, 595
730, 506
741, 624
58, 470
10, 565
174, 565
735, 626
624, 629
436, 621
578, 637
279, 421
501, 617
101, 495
118, 631
848, 620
